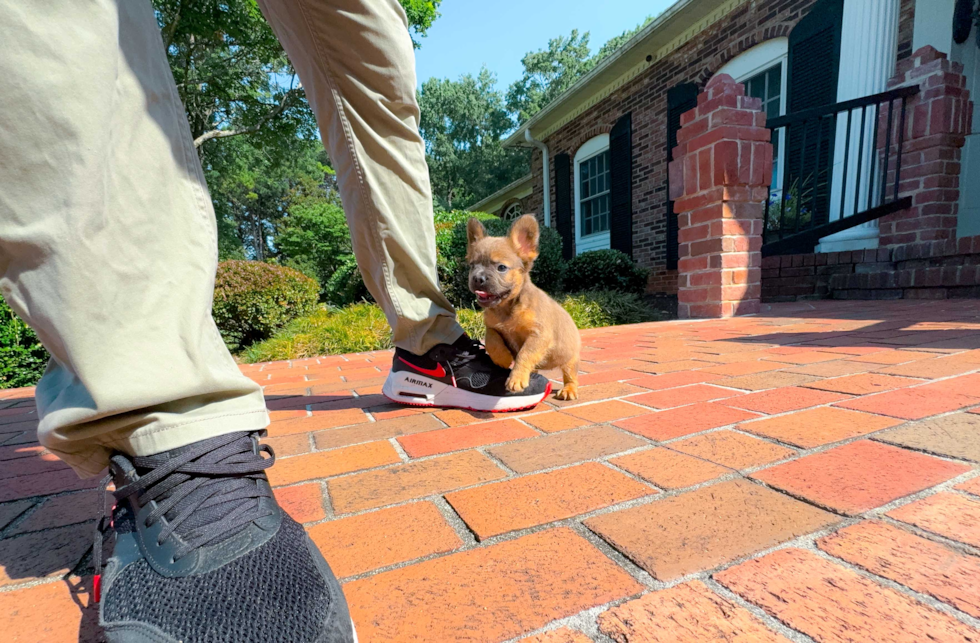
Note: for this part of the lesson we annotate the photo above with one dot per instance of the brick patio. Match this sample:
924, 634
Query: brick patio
807, 474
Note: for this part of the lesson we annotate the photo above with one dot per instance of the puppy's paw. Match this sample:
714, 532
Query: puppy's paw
517, 382
567, 392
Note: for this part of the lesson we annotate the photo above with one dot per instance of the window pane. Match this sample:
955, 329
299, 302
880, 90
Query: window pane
594, 195
775, 80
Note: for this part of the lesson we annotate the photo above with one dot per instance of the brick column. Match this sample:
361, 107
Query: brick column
938, 119
719, 182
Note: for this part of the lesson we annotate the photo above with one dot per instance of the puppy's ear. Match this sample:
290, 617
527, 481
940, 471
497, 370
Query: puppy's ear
523, 235
474, 231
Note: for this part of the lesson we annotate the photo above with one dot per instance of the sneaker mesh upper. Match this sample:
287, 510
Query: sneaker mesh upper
272, 594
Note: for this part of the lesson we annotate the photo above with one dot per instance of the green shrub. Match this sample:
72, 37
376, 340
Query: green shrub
605, 270
253, 300
22, 357
345, 286
362, 327
329, 331
454, 275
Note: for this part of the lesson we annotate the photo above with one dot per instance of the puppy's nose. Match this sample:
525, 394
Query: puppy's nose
480, 280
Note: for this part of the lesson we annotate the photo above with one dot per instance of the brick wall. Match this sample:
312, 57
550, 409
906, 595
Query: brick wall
646, 97
939, 119
943, 269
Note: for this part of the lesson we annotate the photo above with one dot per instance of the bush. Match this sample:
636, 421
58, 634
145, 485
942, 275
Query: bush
451, 244
345, 285
605, 270
253, 300
22, 357
329, 331
362, 327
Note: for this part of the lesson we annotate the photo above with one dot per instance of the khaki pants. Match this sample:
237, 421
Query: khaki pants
107, 235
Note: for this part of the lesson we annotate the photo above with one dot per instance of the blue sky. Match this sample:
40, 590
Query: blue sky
497, 33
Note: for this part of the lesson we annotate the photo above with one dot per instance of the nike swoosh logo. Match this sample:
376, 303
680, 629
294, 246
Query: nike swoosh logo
438, 371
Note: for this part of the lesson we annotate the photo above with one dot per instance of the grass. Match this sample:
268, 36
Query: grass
363, 327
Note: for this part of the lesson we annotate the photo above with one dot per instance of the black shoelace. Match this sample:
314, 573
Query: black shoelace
205, 493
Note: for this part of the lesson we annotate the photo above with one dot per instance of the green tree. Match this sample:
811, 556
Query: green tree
313, 236
232, 74
616, 42
549, 72
462, 123
252, 186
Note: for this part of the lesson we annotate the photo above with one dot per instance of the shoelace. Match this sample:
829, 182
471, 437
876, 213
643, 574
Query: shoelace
463, 357
209, 489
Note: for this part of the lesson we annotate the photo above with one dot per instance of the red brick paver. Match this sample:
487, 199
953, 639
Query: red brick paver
693, 448
377, 539
707, 527
923, 565
541, 498
831, 603
488, 594
669, 469
859, 476
688, 612
953, 516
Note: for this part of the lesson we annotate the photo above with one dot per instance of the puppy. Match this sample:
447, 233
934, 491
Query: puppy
526, 329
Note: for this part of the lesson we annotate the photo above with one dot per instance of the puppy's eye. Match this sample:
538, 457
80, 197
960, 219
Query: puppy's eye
502, 268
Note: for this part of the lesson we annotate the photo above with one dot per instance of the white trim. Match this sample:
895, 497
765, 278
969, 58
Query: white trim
757, 59
519, 189
600, 241
676, 26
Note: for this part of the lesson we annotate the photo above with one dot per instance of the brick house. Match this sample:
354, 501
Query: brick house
510, 201
601, 151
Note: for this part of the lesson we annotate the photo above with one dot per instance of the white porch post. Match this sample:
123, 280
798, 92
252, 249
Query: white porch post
869, 41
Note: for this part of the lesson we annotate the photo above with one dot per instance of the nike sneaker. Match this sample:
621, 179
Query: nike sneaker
459, 375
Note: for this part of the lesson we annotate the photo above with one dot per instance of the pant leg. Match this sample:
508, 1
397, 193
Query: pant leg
108, 244
356, 63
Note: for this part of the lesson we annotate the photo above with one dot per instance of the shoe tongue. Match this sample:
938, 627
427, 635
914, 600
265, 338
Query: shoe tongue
214, 511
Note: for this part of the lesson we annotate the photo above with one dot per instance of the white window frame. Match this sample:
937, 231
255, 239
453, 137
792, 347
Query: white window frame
756, 60
599, 241
509, 214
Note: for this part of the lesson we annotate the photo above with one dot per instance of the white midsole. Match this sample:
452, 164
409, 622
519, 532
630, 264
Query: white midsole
411, 388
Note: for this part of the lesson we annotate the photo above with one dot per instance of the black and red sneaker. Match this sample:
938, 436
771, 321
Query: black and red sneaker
459, 375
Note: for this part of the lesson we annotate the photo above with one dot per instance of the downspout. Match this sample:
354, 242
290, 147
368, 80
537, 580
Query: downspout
545, 154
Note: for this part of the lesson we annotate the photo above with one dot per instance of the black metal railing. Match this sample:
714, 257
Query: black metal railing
835, 167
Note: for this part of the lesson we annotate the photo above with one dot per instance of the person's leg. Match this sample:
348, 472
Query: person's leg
108, 249
107, 237
355, 60
356, 63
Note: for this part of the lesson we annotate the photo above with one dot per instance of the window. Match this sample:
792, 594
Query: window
768, 86
592, 198
512, 211
594, 194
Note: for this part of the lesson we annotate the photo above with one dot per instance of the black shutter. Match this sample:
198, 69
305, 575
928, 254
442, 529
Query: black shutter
621, 185
814, 63
680, 99
563, 202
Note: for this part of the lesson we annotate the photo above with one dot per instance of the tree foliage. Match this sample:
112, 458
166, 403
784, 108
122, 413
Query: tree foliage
253, 185
549, 72
462, 123
233, 75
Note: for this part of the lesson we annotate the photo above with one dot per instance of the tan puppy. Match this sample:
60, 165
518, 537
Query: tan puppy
526, 329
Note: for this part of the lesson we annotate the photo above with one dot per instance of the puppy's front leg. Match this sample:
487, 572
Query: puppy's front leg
497, 349
531, 354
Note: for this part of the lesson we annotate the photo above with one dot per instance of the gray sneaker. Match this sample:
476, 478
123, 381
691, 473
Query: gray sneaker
203, 553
